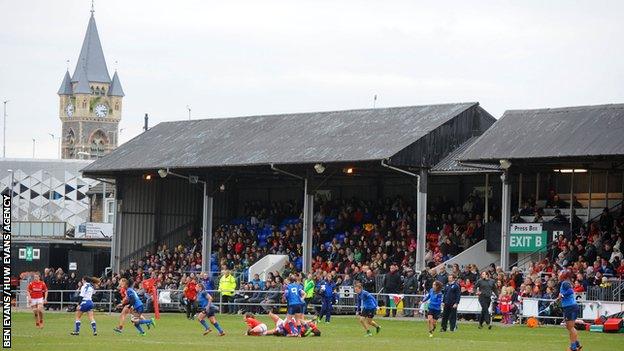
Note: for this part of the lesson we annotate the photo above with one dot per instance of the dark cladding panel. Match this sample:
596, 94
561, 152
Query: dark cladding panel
437, 144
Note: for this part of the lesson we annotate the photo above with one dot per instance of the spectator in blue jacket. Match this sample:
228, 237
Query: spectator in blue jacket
326, 288
206, 282
256, 281
452, 293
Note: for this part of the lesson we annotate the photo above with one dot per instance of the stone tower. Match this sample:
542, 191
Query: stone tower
90, 103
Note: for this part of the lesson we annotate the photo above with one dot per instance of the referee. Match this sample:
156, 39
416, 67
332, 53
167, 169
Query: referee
485, 287
452, 294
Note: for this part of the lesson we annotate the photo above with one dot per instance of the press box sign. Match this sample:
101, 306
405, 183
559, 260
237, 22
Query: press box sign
527, 237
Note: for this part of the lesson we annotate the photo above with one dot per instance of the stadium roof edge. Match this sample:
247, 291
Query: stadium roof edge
565, 133
296, 138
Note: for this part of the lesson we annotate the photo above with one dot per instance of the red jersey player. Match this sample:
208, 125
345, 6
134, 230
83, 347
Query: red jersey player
254, 326
37, 295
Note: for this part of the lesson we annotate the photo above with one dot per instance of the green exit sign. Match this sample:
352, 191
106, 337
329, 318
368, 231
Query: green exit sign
527, 237
29, 253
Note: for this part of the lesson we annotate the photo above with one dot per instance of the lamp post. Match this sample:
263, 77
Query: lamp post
4, 130
34, 141
59, 142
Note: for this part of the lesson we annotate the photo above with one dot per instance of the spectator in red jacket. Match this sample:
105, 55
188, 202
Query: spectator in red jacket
190, 297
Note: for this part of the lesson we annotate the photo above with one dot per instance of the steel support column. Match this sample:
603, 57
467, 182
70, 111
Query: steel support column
571, 198
116, 240
505, 221
607, 189
486, 193
421, 220
308, 227
207, 231
589, 204
519, 192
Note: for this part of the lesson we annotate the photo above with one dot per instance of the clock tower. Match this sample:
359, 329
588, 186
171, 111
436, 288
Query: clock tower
90, 103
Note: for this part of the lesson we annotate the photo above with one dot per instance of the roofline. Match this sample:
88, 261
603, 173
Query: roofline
464, 172
568, 158
63, 160
466, 106
565, 108
89, 174
470, 104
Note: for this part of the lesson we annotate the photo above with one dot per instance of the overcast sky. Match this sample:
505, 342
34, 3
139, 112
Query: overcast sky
235, 58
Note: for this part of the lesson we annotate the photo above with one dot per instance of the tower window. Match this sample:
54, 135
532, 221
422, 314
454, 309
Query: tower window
116, 106
70, 140
84, 103
98, 144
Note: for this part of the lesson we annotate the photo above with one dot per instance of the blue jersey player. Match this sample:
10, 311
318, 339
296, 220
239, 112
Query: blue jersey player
366, 307
207, 310
136, 305
570, 309
435, 306
295, 299
86, 304
326, 289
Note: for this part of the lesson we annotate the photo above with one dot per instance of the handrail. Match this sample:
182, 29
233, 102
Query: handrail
346, 300
618, 204
152, 243
529, 257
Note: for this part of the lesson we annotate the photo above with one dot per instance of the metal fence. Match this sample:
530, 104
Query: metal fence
611, 290
104, 300
263, 301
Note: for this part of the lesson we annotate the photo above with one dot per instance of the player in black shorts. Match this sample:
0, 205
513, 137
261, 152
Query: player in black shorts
366, 304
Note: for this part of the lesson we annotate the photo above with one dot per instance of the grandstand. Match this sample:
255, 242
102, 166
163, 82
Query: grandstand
372, 154
360, 210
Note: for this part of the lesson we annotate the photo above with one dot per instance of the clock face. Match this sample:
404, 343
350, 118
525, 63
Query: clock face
69, 109
101, 110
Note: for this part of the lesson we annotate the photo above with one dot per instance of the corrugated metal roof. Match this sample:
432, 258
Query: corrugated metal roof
549, 133
353, 135
450, 164
91, 58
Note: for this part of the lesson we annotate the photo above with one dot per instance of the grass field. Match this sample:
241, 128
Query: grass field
174, 332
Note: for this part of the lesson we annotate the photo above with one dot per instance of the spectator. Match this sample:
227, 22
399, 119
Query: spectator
190, 297
410, 287
442, 276
309, 286
392, 285
227, 285
368, 283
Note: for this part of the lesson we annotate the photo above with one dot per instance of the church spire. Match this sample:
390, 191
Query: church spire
115, 88
66, 87
91, 59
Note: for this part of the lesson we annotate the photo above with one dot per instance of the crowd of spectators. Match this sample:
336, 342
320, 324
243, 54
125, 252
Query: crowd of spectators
355, 240
348, 235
